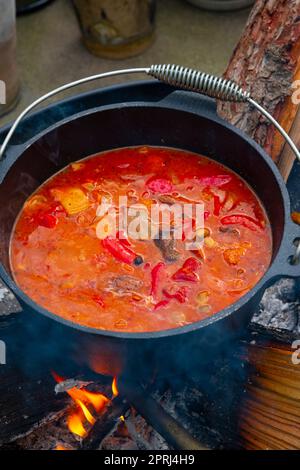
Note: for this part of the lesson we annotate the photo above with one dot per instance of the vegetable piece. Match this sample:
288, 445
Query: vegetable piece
160, 186
155, 278
217, 205
205, 309
98, 299
121, 251
199, 253
121, 235
121, 324
180, 295
188, 271
230, 202
241, 219
218, 180
161, 303
233, 256
47, 220
202, 298
188, 228
210, 242
296, 217
203, 232
35, 201
77, 166
73, 200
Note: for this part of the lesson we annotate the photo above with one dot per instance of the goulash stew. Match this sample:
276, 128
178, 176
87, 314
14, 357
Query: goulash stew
70, 255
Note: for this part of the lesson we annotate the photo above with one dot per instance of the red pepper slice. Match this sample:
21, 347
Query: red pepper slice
121, 251
241, 219
162, 303
217, 180
188, 271
160, 186
47, 220
189, 227
98, 299
155, 277
180, 295
122, 236
217, 205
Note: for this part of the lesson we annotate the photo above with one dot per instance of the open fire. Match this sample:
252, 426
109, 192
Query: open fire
87, 406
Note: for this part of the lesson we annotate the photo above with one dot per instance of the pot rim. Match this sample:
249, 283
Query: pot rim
269, 274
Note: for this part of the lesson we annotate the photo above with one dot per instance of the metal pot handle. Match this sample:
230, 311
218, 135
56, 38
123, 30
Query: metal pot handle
287, 262
174, 75
291, 265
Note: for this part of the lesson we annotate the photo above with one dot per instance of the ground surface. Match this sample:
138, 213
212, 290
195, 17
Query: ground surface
50, 52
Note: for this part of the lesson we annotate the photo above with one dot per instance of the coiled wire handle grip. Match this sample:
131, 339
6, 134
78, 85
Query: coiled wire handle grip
177, 76
199, 82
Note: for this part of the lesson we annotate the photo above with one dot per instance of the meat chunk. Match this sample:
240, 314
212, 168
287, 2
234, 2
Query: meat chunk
125, 284
167, 247
166, 199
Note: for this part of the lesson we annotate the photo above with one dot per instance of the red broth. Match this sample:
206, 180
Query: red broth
124, 284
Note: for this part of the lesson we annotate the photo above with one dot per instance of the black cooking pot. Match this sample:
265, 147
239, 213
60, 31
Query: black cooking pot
178, 119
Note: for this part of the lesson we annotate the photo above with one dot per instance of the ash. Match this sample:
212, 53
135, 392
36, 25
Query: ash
8, 302
279, 309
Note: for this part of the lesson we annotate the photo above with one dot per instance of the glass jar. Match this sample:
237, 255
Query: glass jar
116, 29
9, 80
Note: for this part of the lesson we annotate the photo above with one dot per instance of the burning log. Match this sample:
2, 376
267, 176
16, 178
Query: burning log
266, 62
109, 413
158, 418
105, 423
93, 408
270, 412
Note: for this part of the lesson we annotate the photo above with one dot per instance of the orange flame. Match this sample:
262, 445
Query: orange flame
114, 387
60, 447
83, 400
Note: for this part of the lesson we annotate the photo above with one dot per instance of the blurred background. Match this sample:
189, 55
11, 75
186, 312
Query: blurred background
62, 40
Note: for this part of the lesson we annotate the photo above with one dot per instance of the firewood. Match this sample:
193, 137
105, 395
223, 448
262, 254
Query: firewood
287, 157
270, 412
105, 423
266, 62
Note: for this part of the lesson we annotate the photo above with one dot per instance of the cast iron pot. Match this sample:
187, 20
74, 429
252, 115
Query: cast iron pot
177, 119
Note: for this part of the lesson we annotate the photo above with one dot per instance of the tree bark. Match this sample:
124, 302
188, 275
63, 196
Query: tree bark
266, 62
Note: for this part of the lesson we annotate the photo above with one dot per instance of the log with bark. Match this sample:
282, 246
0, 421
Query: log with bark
266, 62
